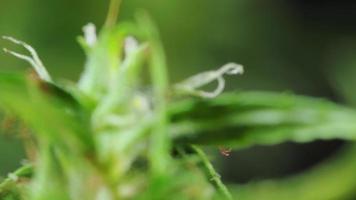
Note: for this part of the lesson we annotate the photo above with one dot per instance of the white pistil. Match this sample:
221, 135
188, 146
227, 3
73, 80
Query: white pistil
34, 59
130, 45
90, 34
192, 84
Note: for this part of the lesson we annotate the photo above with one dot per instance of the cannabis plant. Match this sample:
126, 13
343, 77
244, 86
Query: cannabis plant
124, 131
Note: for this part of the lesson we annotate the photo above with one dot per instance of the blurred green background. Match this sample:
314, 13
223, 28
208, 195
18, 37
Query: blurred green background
301, 46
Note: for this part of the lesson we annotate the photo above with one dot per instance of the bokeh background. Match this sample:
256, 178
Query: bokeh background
302, 46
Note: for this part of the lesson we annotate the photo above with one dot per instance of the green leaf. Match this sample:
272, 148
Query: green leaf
104, 59
250, 118
331, 179
50, 111
159, 152
9, 188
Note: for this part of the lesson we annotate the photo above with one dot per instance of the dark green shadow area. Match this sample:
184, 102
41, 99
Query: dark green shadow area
11, 154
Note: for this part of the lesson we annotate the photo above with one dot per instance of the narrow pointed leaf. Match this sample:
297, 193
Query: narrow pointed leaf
48, 110
266, 118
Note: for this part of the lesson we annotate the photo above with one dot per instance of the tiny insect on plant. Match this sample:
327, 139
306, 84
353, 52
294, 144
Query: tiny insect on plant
103, 138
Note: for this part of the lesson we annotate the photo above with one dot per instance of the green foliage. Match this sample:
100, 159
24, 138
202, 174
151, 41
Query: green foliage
10, 188
248, 118
330, 179
106, 137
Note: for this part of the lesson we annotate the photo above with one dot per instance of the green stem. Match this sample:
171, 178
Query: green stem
113, 13
212, 174
10, 182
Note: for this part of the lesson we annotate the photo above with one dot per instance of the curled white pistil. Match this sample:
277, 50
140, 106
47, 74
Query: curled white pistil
192, 84
34, 59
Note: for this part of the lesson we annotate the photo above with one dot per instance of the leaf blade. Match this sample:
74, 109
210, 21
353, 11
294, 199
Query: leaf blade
264, 118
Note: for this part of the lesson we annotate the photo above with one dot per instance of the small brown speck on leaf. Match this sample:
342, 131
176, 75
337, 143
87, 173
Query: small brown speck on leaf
225, 151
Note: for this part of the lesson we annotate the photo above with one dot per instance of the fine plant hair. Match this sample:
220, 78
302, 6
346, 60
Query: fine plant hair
103, 138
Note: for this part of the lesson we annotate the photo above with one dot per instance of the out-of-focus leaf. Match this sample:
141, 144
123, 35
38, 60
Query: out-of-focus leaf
49, 181
104, 59
332, 179
9, 186
48, 110
250, 118
159, 152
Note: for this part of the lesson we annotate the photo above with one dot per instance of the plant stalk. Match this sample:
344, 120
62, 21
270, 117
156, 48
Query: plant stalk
113, 13
212, 174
